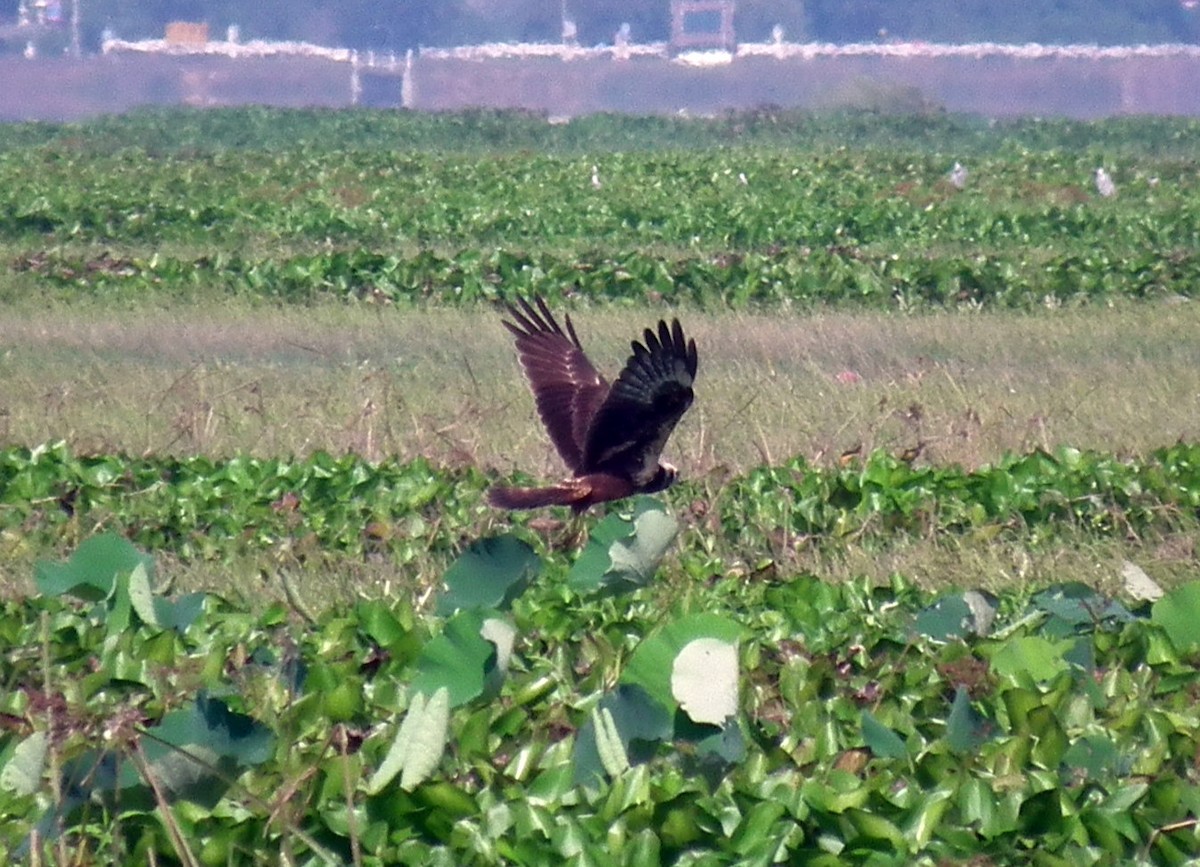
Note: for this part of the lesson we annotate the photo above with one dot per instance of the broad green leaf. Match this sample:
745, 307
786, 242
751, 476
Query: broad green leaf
624, 552
458, 660
881, 740
427, 737
397, 754
1032, 657
640, 722
23, 771
721, 747
652, 664
957, 616
1075, 607
194, 752
965, 728
949, 617
704, 680
1178, 614
160, 613
609, 745
92, 569
491, 573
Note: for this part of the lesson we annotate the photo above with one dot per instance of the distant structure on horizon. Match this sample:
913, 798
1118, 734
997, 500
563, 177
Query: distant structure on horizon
702, 25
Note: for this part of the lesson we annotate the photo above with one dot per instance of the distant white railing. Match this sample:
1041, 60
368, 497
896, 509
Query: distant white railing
519, 50
252, 48
975, 50
777, 49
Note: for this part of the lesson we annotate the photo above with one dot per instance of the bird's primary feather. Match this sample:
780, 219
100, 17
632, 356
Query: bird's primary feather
654, 390
566, 387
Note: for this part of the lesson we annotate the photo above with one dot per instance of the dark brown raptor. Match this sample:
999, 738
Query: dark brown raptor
609, 436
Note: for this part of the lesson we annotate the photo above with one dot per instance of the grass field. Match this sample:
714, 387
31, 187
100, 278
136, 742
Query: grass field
445, 383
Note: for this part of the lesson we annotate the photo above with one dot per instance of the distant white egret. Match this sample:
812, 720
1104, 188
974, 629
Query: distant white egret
1104, 184
596, 178
743, 180
958, 176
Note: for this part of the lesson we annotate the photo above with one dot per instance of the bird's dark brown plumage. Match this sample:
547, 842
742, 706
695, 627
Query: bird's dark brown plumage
609, 436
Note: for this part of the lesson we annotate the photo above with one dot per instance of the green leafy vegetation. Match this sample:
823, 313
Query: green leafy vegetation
815, 223
235, 737
208, 509
225, 656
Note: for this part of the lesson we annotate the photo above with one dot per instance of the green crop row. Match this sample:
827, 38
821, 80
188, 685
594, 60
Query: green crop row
715, 227
823, 276
200, 507
677, 199
161, 131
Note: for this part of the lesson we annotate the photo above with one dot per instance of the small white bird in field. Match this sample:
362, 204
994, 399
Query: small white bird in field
1104, 184
596, 178
958, 176
743, 180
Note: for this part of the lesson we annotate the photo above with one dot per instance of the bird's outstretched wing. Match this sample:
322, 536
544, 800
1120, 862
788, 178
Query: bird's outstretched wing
566, 387
628, 431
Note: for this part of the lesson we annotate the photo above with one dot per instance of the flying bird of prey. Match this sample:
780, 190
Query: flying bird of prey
610, 436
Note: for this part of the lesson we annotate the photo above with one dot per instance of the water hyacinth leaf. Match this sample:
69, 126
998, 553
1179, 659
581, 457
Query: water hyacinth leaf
1031, 656
22, 773
966, 729
609, 745
1094, 755
397, 754
501, 634
652, 664
160, 613
458, 659
718, 747
881, 740
196, 750
949, 617
378, 622
704, 680
641, 722
1075, 607
491, 573
1178, 615
624, 552
427, 740
91, 571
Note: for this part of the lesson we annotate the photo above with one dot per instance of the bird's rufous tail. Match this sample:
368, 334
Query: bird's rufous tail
534, 498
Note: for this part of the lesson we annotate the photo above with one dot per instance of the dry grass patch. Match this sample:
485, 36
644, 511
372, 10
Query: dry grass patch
955, 387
